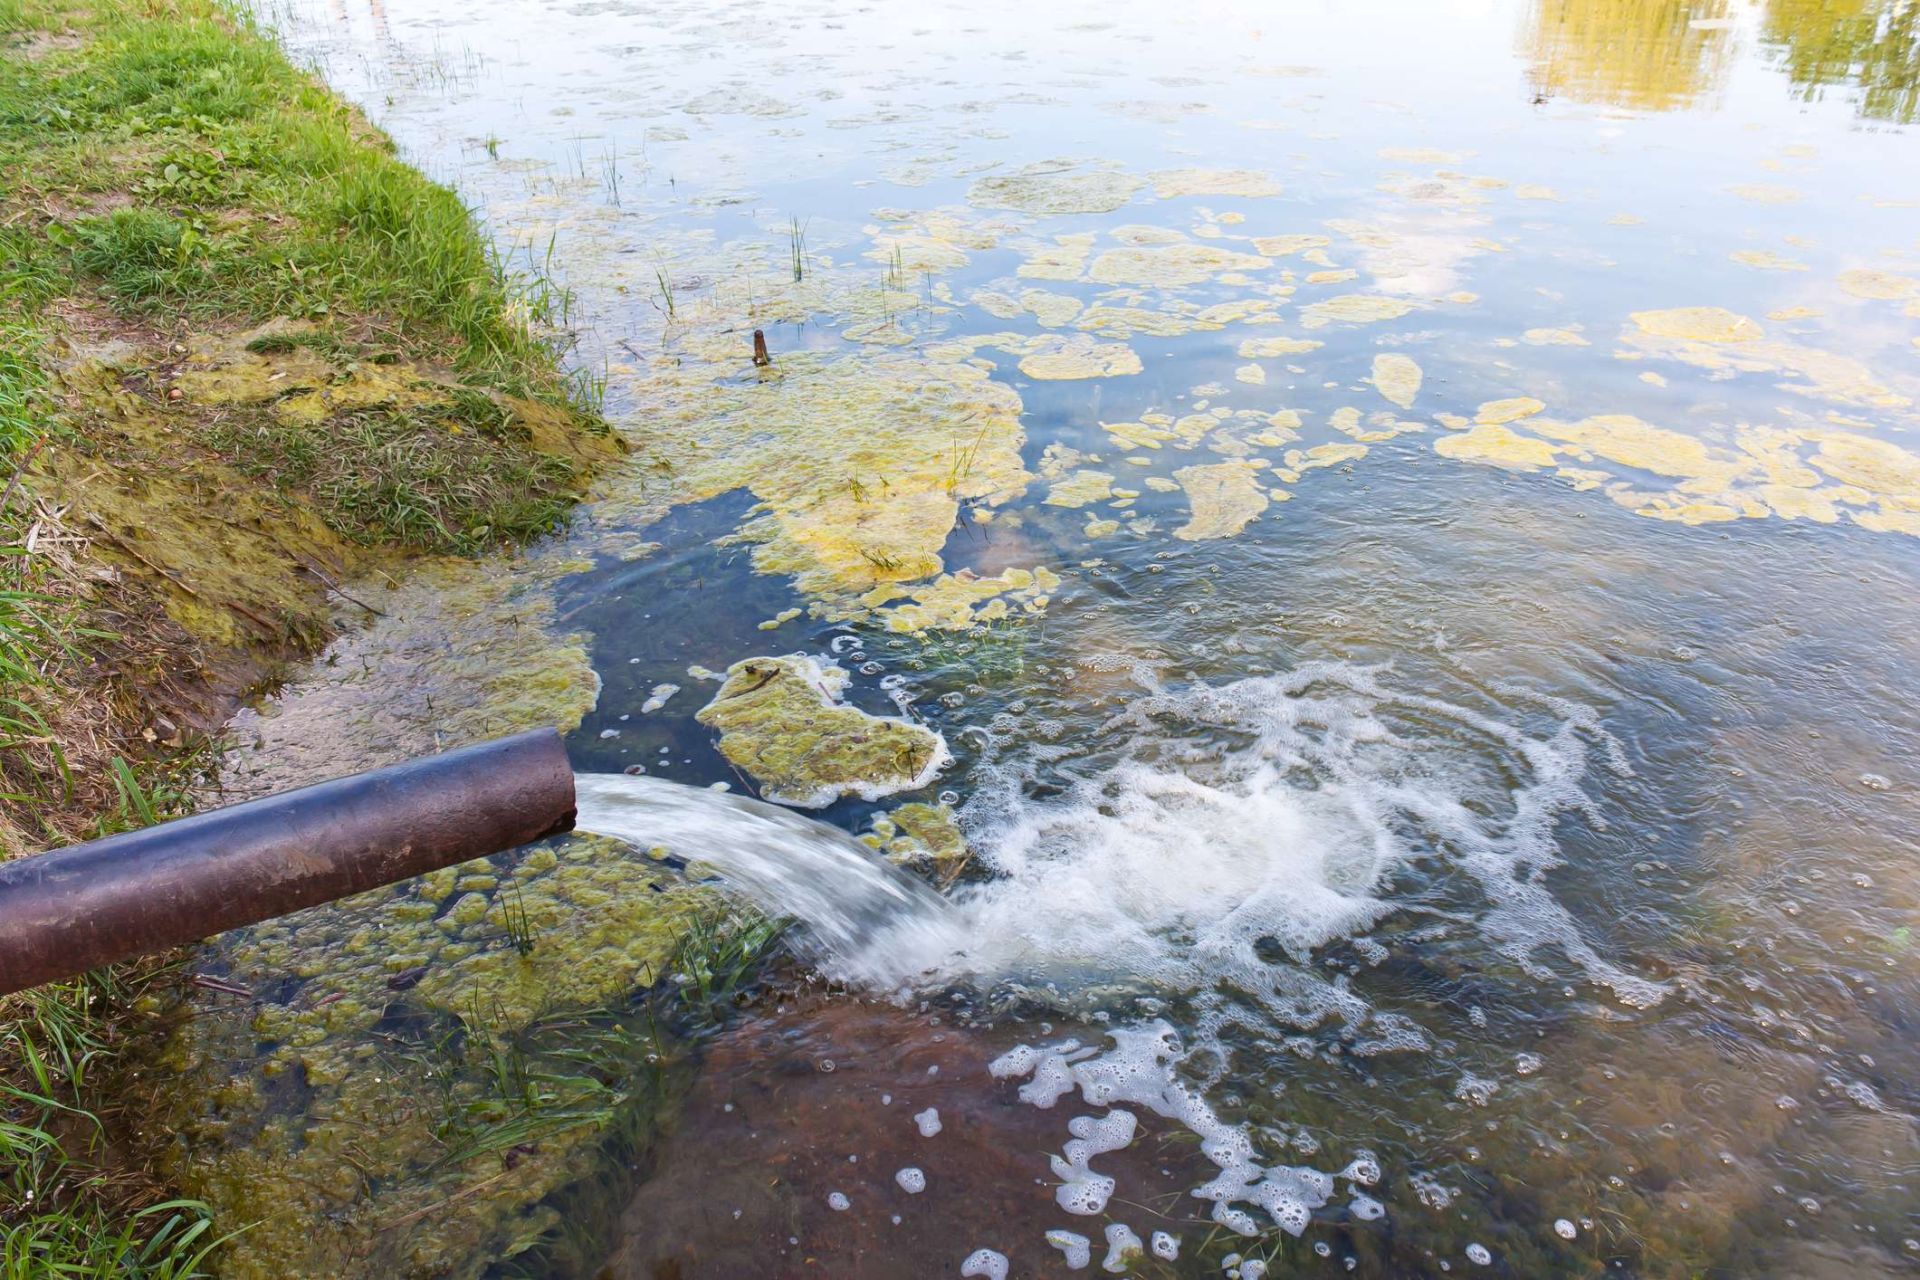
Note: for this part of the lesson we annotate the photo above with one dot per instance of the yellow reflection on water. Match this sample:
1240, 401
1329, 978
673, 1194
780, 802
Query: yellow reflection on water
1650, 55
1871, 45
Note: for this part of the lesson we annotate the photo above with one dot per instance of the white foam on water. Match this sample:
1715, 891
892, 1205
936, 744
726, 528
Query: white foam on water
1123, 1248
1075, 1249
1269, 812
1166, 1247
927, 1122
985, 1263
911, 1180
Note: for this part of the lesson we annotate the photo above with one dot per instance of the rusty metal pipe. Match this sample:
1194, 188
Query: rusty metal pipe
64, 912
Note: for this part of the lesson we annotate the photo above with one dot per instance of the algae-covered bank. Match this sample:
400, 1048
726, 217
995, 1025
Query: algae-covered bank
252, 367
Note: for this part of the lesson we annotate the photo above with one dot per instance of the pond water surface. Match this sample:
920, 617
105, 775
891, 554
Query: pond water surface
1404, 516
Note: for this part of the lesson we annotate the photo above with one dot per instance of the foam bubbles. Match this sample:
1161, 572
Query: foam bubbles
1477, 1254
1165, 1247
1123, 1248
927, 1122
1076, 1250
838, 1202
911, 1180
986, 1264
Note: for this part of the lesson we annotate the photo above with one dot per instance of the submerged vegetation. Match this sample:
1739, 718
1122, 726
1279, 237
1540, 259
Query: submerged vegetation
244, 352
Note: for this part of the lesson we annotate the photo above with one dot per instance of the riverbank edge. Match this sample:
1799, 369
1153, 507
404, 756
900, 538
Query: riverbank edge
246, 355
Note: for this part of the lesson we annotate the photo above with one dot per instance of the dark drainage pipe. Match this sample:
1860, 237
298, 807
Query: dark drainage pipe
74, 909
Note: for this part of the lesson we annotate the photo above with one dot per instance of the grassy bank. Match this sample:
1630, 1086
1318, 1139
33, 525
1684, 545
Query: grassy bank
246, 354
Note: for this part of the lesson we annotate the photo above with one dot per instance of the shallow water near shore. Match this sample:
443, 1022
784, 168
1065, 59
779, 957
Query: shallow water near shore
1405, 520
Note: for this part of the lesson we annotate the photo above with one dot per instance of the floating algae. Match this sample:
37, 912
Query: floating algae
1272, 348
1054, 187
1883, 286
1064, 259
1081, 488
1223, 498
1765, 193
1397, 378
921, 834
1496, 446
875, 457
1499, 412
1353, 308
959, 601
1766, 260
1054, 358
1171, 266
1546, 337
1246, 183
782, 722
1719, 340
1281, 246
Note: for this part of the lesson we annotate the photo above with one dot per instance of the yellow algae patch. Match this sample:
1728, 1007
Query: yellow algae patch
1248, 183
1626, 220
1097, 528
1064, 259
1631, 442
916, 253
1222, 497
1171, 266
1765, 260
1876, 466
1353, 308
1141, 235
1272, 348
779, 619
1795, 313
1053, 187
1251, 374
1126, 322
1080, 488
1554, 338
1051, 309
1883, 286
1496, 413
1653, 379
1698, 324
1762, 193
1529, 191
957, 601
1281, 246
1397, 378
1058, 359
1421, 155
1332, 277
1716, 339
1496, 446
782, 721
861, 465
1160, 484
1136, 435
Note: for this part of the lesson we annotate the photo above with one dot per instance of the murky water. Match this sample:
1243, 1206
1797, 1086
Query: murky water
1404, 517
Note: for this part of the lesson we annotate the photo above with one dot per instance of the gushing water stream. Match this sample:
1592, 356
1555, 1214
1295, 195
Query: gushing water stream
784, 862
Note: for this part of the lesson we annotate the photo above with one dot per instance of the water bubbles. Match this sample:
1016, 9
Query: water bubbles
826, 1066
1363, 1169
949, 798
1526, 1063
1875, 782
838, 1202
1477, 1254
1123, 1246
871, 668
1076, 1250
1322, 1249
1165, 1247
1475, 1090
1564, 1229
927, 1122
1366, 1209
911, 1180
1808, 1203
986, 1264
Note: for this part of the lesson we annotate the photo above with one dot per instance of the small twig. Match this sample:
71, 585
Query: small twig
339, 591
215, 984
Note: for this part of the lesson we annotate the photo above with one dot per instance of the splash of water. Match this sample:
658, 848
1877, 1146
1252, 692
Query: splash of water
786, 863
